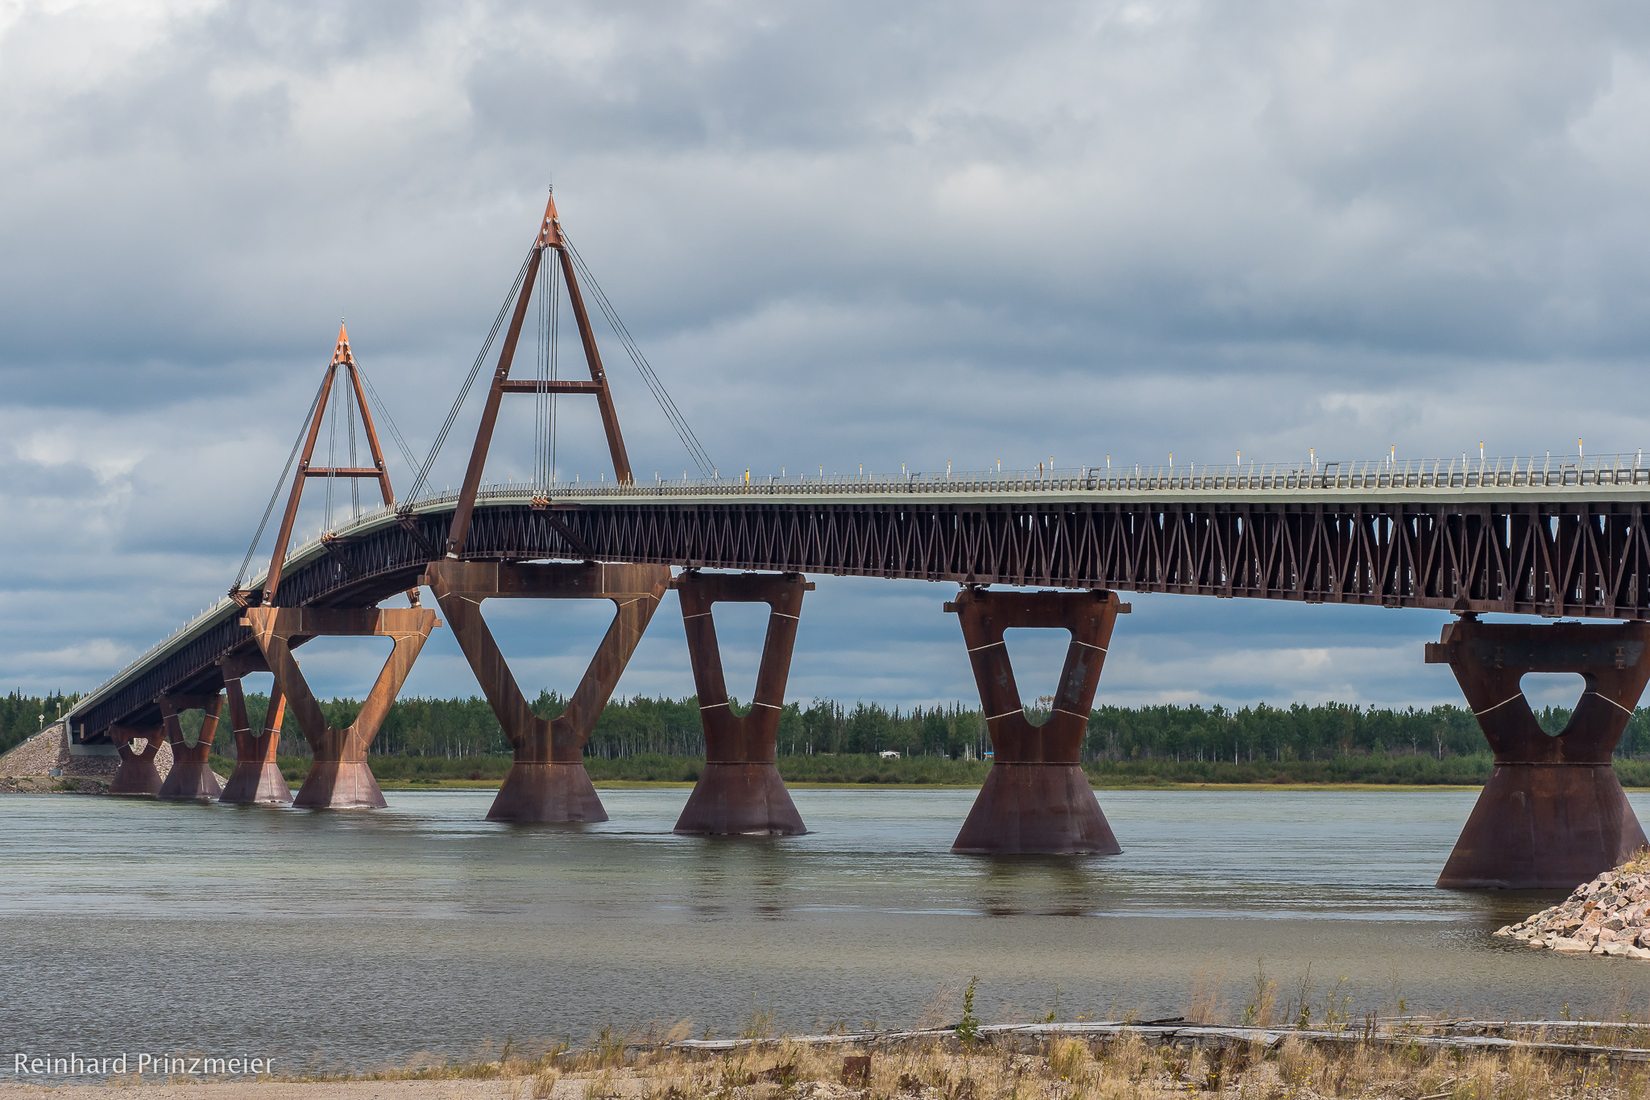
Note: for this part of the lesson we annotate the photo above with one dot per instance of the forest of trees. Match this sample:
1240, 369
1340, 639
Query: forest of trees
457, 729
21, 716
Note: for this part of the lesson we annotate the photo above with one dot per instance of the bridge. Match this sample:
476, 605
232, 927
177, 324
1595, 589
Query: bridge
1530, 536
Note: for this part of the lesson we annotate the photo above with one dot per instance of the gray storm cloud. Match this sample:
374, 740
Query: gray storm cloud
844, 233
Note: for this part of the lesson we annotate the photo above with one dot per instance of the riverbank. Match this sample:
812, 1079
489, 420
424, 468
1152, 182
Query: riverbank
1406, 1057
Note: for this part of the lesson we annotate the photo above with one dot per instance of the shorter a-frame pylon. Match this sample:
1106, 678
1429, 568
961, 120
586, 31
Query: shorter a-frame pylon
343, 359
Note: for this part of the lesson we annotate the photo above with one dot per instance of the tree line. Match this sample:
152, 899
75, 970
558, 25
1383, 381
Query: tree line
457, 729
641, 726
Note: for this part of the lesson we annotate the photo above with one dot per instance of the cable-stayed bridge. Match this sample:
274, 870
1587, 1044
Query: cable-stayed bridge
1530, 536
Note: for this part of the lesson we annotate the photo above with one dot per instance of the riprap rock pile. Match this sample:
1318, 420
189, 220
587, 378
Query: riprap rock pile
1608, 916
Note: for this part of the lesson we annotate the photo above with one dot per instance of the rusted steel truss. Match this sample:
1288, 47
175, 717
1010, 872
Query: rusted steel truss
339, 777
191, 778
1553, 813
1552, 558
257, 778
740, 792
549, 239
1544, 559
1036, 799
547, 781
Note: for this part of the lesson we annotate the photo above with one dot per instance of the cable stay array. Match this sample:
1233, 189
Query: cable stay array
551, 270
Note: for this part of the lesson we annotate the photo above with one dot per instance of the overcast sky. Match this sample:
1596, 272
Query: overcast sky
843, 233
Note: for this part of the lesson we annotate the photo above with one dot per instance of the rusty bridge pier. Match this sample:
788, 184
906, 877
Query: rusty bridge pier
136, 776
257, 778
191, 778
1553, 813
547, 781
1036, 798
740, 792
339, 777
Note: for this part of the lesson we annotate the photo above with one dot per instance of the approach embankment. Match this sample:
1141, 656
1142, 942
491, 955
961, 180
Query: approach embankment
44, 765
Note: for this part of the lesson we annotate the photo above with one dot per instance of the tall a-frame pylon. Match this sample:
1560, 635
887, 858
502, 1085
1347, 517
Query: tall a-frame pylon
549, 238
343, 359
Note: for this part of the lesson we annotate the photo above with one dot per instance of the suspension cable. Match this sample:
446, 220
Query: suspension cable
269, 509
555, 344
382, 412
475, 369
661, 395
332, 456
354, 482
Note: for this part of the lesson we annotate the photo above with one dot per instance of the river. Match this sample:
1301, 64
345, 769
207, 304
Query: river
353, 940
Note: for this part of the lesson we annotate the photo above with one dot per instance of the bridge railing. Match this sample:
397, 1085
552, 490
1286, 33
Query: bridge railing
1464, 472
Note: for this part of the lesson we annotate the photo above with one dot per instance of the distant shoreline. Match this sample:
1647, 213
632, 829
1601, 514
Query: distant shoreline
651, 784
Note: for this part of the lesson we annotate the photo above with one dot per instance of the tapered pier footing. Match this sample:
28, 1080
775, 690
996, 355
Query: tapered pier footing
340, 785
740, 792
547, 794
136, 776
1045, 808
1553, 813
740, 800
1544, 826
1036, 799
257, 778
191, 778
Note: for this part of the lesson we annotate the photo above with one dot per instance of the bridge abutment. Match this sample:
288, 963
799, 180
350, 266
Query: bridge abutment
257, 778
548, 783
136, 776
1553, 813
1036, 798
191, 778
740, 792
339, 777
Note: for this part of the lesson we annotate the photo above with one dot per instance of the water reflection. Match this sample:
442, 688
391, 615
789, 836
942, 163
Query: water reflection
1041, 885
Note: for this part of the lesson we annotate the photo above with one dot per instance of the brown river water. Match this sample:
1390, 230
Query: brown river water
357, 940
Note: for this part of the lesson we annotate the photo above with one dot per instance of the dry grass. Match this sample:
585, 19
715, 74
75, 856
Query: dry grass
1127, 1067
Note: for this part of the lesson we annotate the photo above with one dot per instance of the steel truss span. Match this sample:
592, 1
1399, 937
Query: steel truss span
1557, 557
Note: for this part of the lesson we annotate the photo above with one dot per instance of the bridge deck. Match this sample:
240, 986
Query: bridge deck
1524, 536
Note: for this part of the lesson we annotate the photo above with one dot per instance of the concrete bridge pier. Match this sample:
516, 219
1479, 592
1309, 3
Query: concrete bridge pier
547, 783
1553, 813
136, 775
257, 778
191, 778
1036, 798
740, 792
339, 777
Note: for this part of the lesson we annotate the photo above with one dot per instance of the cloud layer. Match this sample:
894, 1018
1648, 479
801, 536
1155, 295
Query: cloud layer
844, 234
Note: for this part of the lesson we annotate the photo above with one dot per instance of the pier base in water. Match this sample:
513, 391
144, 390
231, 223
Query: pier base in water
191, 778
1036, 799
747, 799
1553, 813
136, 776
1048, 809
547, 793
740, 792
257, 778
